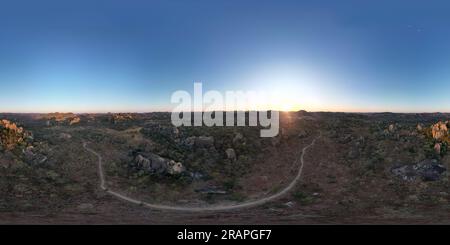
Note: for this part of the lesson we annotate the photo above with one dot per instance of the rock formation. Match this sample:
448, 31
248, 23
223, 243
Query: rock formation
153, 163
11, 135
121, 117
74, 120
440, 131
60, 118
426, 170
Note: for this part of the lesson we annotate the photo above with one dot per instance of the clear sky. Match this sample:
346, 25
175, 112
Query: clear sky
109, 55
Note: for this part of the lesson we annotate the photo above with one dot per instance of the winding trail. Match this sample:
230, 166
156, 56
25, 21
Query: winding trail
207, 208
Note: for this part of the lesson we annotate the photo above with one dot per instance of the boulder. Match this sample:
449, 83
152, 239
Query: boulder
65, 136
391, 128
158, 164
437, 148
175, 167
189, 142
238, 138
204, 141
290, 204
142, 162
302, 134
419, 127
176, 132
231, 154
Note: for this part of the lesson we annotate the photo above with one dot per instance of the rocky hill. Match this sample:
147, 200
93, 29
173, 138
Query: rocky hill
60, 118
120, 117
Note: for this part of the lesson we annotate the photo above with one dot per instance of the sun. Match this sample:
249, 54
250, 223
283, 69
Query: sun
287, 107
284, 100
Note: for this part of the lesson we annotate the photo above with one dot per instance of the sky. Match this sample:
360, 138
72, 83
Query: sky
130, 56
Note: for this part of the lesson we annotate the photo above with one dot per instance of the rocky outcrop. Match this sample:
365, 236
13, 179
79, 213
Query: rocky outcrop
11, 126
11, 135
60, 119
198, 142
155, 164
33, 156
427, 170
439, 131
74, 121
121, 117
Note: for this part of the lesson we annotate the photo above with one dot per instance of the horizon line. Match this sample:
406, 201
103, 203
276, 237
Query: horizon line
281, 111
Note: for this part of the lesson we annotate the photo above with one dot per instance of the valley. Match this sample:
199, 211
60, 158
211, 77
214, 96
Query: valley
322, 168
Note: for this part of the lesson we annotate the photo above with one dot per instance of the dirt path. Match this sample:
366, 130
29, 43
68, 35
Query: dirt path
208, 208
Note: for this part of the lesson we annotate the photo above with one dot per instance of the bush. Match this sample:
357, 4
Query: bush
302, 198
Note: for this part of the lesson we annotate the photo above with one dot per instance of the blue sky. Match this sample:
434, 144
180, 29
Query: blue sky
100, 56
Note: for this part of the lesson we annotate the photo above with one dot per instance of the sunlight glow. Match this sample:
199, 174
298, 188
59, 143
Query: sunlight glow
289, 87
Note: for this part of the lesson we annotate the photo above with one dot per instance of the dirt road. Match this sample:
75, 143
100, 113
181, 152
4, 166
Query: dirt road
206, 208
